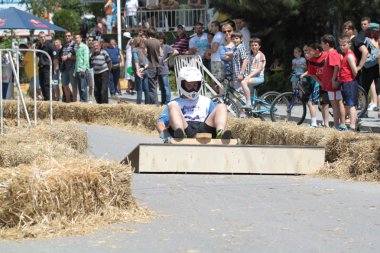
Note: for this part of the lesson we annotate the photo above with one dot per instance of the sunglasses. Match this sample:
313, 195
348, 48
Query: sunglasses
228, 31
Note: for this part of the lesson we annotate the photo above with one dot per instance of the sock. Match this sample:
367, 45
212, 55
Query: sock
314, 121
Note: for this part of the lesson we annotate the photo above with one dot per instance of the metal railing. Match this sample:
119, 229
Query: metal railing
168, 20
20, 96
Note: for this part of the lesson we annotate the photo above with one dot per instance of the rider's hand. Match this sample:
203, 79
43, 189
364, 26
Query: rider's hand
165, 136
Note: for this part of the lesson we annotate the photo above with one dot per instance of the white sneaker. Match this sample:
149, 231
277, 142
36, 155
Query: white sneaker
371, 107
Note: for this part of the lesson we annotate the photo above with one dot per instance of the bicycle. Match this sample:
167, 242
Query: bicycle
234, 100
291, 106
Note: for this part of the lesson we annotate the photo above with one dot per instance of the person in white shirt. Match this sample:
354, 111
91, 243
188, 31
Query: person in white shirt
130, 11
192, 113
217, 65
199, 42
242, 27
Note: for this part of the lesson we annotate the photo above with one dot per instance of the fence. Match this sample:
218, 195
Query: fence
13, 56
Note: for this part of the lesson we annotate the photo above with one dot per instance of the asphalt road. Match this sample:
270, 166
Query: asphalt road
228, 213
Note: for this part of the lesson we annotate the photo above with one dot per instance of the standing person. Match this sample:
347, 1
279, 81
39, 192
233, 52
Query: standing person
57, 73
90, 44
313, 98
372, 106
198, 43
67, 67
357, 46
315, 70
128, 63
44, 63
182, 41
130, 11
82, 65
364, 23
226, 50
163, 71
153, 54
109, 11
330, 81
140, 65
7, 74
192, 113
242, 28
298, 65
371, 66
346, 78
217, 65
117, 59
256, 69
102, 64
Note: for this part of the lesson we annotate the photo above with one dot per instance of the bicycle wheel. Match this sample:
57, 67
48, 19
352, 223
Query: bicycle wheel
362, 101
269, 96
231, 105
287, 107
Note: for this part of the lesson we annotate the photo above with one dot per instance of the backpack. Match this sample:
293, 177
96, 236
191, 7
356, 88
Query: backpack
373, 54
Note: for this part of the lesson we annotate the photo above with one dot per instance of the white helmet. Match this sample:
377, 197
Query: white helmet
190, 74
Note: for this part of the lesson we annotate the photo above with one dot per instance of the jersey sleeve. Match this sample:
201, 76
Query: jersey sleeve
211, 107
164, 117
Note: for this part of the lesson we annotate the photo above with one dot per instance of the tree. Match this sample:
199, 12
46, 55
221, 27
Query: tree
67, 18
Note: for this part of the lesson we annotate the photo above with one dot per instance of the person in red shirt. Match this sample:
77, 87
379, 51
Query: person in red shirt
330, 80
346, 78
315, 70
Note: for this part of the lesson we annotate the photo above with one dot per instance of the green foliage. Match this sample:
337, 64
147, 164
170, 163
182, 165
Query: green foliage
6, 42
68, 19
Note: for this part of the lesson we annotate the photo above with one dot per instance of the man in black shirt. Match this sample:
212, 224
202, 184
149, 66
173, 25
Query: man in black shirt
44, 63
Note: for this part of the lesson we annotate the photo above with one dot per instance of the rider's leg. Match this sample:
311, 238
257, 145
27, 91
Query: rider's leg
218, 117
176, 118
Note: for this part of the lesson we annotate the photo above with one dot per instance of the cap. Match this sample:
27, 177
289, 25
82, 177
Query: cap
127, 35
373, 27
180, 26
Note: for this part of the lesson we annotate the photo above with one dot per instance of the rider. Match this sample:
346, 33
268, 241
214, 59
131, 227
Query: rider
192, 113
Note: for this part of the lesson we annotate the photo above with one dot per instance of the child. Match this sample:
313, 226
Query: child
256, 72
314, 90
315, 70
298, 65
346, 78
239, 59
330, 82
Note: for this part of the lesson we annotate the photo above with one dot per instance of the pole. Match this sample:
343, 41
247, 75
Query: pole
118, 18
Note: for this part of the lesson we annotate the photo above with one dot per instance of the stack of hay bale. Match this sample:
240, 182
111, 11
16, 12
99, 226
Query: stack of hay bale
48, 185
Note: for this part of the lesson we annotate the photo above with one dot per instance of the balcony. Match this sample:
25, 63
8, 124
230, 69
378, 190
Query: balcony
168, 20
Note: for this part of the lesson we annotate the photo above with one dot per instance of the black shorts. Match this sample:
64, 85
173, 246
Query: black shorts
323, 96
195, 127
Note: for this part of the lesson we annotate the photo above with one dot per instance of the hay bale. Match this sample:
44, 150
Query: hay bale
250, 131
104, 114
57, 194
24, 145
49, 186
